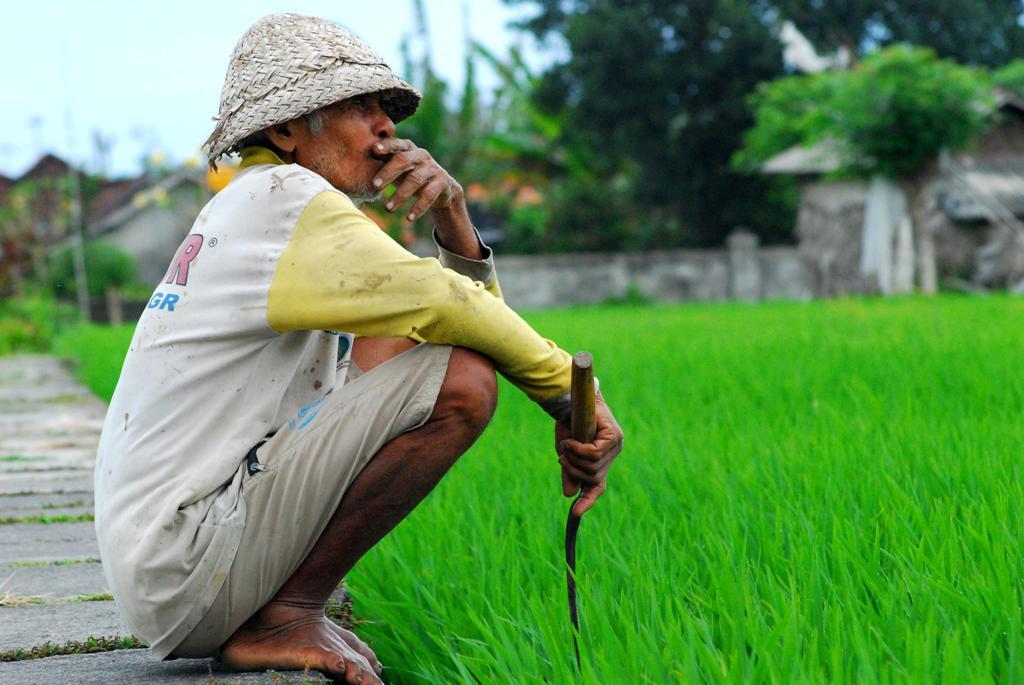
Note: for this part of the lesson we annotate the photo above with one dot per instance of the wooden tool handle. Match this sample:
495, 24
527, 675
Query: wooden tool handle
583, 425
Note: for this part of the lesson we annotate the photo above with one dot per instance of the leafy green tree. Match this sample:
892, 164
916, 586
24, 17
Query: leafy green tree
657, 92
662, 84
519, 129
574, 208
1010, 77
892, 114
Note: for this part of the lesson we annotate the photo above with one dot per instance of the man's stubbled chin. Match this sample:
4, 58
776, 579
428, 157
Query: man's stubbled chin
360, 199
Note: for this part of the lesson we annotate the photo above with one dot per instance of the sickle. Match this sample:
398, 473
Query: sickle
583, 426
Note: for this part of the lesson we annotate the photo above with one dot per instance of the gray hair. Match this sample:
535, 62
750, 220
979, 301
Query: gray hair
315, 122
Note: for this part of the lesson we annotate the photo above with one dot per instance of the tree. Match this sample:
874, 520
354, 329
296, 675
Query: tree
891, 115
1010, 77
656, 90
979, 32
661, 85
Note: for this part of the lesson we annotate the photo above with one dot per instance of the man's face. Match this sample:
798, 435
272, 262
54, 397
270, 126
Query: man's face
343, 152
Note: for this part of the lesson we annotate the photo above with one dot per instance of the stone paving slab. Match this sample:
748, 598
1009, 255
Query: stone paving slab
52, 512
21, 438
15, 503
41, 464
52, 581
71, 455
72, 419
36, 624
48, 393
21, 417
33, 483
48, 417
60, 474
138, 667
47, 542
43, 445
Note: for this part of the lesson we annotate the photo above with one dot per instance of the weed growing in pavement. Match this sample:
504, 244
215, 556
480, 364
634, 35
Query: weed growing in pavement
90, 645
59, 562
66, 505
10, 600
34, 493
45, 468
47, 518
67, 399
94, 597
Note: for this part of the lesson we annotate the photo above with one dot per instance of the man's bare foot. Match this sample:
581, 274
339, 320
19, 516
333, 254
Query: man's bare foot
285, 638
357, 644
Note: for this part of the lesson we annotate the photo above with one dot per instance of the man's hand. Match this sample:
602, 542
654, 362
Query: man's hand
586, 464
417, 175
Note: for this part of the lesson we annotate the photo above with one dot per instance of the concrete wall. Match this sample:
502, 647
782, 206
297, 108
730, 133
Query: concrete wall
742, 271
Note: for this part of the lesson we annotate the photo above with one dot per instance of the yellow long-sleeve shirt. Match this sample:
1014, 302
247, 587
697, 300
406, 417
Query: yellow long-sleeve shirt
237, 343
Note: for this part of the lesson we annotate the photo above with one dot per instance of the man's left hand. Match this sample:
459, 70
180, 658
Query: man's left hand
586, 464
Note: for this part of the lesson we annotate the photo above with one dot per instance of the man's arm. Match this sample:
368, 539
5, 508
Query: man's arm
416, 175
339, 271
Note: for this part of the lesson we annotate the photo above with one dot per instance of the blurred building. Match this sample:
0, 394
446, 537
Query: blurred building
146, 216
856, 236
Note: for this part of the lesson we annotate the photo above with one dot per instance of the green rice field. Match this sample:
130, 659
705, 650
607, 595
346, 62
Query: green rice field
827, 492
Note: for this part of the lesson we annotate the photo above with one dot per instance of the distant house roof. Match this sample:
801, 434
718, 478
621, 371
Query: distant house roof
128, 200
112, 195
822, 158
47, 166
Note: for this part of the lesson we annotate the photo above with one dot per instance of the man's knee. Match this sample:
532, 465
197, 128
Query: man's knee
470, 389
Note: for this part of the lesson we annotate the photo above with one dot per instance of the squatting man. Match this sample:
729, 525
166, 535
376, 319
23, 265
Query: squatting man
300, 382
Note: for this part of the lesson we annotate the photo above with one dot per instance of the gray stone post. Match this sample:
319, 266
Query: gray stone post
745, 278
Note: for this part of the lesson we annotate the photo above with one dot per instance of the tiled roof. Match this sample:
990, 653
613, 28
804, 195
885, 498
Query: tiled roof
47, 166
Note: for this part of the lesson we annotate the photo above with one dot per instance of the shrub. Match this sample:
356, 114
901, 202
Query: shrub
106, 266
28, 324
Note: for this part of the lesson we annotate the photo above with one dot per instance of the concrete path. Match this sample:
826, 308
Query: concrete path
52, 589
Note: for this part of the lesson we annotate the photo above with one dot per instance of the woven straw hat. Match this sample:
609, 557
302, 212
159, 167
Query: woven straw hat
288, 65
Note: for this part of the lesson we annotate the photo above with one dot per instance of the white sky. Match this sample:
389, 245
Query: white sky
149, 74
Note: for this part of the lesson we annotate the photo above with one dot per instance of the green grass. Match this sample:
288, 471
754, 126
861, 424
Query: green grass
29, 323
810, 493
97, 352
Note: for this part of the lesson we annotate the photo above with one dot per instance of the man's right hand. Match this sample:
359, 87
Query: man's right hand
416, 175
586, 464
